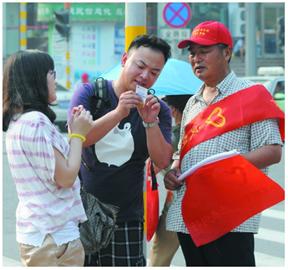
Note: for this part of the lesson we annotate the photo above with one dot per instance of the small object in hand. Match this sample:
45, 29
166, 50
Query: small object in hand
142, 93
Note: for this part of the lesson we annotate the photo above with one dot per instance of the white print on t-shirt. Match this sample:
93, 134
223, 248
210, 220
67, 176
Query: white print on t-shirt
116, 147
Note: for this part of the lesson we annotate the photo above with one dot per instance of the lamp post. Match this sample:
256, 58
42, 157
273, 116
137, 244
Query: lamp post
135, 24
135, 21
250, 43
62, 25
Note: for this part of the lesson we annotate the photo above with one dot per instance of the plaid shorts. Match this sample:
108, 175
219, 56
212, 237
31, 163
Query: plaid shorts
125, 248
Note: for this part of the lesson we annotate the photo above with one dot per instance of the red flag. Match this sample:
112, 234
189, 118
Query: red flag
152, 203
222, 195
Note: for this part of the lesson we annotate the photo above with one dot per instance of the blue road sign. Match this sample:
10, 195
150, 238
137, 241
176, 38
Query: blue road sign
177, 15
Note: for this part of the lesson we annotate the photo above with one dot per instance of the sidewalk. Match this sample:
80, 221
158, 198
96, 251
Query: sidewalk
268, 260
261, 260
10, 262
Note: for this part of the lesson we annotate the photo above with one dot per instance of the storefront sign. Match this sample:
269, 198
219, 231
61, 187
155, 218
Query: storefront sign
84, 11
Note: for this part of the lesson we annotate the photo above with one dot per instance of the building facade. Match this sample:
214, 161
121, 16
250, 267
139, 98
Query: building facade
96, 32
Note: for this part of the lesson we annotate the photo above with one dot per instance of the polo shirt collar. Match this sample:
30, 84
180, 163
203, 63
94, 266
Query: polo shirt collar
226, 81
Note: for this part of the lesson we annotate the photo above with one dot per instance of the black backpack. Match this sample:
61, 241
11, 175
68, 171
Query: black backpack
100, 100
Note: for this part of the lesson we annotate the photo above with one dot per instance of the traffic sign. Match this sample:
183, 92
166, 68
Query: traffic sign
177, 15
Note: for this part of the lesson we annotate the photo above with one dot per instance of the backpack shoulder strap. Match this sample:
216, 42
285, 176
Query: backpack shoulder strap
100, 96
100, 92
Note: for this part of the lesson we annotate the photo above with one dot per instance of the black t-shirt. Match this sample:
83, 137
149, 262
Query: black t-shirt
113, 168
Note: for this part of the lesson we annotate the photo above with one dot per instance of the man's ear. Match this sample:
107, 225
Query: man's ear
228, 53
124, 58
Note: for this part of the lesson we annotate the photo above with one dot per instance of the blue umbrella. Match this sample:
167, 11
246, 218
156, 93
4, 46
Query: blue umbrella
176, 78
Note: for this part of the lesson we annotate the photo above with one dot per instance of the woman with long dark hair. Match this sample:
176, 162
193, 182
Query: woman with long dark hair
43, 164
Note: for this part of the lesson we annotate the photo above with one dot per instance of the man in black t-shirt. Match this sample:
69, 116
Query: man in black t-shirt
125, 134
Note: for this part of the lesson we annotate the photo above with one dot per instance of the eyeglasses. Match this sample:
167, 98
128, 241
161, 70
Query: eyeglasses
53, 73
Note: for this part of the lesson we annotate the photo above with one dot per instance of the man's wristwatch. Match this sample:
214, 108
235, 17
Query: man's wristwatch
151, 124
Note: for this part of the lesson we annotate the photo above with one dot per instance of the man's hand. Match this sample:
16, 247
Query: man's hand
149, 112
171, 179
127, 101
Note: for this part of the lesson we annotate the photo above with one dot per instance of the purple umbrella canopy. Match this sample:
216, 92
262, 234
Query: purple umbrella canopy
176, 78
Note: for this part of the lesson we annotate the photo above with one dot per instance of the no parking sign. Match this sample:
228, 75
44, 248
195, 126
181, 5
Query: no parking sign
177, 15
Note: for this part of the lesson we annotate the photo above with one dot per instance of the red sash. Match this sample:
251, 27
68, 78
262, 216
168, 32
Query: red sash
242, 108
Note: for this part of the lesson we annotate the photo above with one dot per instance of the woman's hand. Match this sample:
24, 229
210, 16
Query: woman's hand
81, 121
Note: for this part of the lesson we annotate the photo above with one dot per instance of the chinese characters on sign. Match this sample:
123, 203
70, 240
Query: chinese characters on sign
170, 34
119, 42
84, 11
173, 36
84, 50
97, 11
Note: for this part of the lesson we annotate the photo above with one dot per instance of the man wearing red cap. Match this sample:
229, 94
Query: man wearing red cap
210, 47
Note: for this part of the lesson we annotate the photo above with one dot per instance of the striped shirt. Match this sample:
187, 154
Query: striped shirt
243, 139
43, 206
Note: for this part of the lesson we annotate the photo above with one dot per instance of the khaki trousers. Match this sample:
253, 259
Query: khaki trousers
49, 254
164, 243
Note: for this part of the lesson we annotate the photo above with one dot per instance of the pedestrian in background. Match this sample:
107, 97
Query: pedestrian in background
165, 243
127, 131
210, 47
239, 48
44, 166
85, 77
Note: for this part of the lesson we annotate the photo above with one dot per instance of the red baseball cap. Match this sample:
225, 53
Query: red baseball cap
208, 33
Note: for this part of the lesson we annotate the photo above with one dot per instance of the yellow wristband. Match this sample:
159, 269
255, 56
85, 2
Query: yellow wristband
76, 135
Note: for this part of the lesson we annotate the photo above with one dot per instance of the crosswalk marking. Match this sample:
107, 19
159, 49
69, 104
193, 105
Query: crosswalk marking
273, 213
271, 235
268, 260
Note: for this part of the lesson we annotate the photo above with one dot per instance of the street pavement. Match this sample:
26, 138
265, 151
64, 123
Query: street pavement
269, 243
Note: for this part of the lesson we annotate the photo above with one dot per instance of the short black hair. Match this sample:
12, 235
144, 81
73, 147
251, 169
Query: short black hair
177, 101
153, 42
25, 84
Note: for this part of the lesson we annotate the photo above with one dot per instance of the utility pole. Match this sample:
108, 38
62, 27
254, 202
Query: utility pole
23, 26
135, 21
68, 68
62, 25
250, 42
135, 24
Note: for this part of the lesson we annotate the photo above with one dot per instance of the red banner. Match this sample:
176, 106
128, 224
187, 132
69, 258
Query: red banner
242, 108
222, 195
